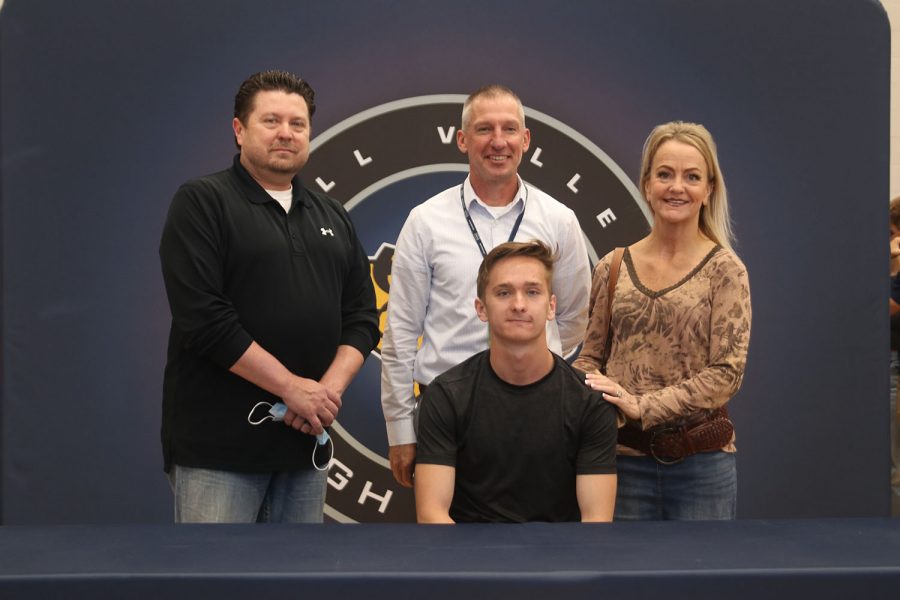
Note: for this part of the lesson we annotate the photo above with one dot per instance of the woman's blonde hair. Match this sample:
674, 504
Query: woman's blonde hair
715, 222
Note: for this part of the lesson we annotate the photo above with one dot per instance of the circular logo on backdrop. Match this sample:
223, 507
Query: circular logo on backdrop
380, 164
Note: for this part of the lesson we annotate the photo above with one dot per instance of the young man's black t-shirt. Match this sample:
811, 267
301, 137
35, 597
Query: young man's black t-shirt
516, 449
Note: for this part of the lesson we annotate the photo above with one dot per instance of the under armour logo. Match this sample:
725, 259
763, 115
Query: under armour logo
326, 231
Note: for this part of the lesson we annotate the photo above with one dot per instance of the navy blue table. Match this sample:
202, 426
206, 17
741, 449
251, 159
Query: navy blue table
847, 558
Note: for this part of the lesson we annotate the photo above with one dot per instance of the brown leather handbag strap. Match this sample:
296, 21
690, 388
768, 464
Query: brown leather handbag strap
618, 254
614, 266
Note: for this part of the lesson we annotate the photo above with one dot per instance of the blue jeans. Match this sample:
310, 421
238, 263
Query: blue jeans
701, 487
210, 496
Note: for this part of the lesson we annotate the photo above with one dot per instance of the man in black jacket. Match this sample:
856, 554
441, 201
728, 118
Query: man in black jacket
271, 301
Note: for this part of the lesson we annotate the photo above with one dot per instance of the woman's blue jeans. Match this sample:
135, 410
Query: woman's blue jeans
701, 487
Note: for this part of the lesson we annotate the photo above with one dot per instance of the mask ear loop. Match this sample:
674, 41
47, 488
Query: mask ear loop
328, 442
268, 417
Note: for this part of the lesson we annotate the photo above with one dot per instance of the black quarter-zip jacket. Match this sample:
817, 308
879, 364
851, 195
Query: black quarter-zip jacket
238, 269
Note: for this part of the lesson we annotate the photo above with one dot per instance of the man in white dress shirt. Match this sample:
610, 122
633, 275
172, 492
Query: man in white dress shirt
438, 253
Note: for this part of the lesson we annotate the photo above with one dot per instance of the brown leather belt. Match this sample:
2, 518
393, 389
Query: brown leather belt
670, 444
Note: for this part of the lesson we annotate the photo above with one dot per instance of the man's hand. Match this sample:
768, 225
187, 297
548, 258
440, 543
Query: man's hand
347, 362
403, 460
311, 406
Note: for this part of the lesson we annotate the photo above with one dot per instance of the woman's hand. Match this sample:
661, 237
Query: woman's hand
614, 394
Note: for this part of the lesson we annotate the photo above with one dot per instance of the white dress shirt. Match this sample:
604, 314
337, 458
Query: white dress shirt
432, 290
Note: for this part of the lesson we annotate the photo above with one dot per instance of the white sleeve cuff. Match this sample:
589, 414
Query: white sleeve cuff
401, 431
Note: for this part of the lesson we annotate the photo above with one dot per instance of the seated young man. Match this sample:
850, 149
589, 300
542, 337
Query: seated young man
513, 434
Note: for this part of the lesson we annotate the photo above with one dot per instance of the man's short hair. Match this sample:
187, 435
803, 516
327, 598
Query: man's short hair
490, 91
535, 249
270, 81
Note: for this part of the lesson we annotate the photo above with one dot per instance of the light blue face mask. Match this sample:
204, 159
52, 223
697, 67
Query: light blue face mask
276, 413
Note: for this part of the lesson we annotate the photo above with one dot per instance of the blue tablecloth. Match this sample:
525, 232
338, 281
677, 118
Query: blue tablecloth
845, 558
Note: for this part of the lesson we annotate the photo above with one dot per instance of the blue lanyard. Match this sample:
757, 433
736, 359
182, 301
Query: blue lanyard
474, 230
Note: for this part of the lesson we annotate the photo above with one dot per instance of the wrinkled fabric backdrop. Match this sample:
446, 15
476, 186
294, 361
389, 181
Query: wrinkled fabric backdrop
107, 107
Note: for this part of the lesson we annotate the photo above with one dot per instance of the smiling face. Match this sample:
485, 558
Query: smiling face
494, 138
274, 140
517, 302
677, 185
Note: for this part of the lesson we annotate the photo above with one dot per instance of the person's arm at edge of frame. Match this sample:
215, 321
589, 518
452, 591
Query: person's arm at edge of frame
434, 485
595, 335
405, 324
596, 497
893, 305
572, 283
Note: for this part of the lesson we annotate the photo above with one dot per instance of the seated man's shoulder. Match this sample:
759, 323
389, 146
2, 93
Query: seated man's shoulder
570, 373
462, 372
576, 388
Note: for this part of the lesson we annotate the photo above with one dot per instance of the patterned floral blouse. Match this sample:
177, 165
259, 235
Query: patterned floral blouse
680, 350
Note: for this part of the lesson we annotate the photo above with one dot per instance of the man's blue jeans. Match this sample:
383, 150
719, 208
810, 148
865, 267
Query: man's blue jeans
701, 487
210, 496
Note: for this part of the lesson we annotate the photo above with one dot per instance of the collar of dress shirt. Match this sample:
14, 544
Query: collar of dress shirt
472, 199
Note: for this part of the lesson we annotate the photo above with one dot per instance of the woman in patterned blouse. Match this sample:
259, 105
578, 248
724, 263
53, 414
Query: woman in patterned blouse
679, 329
